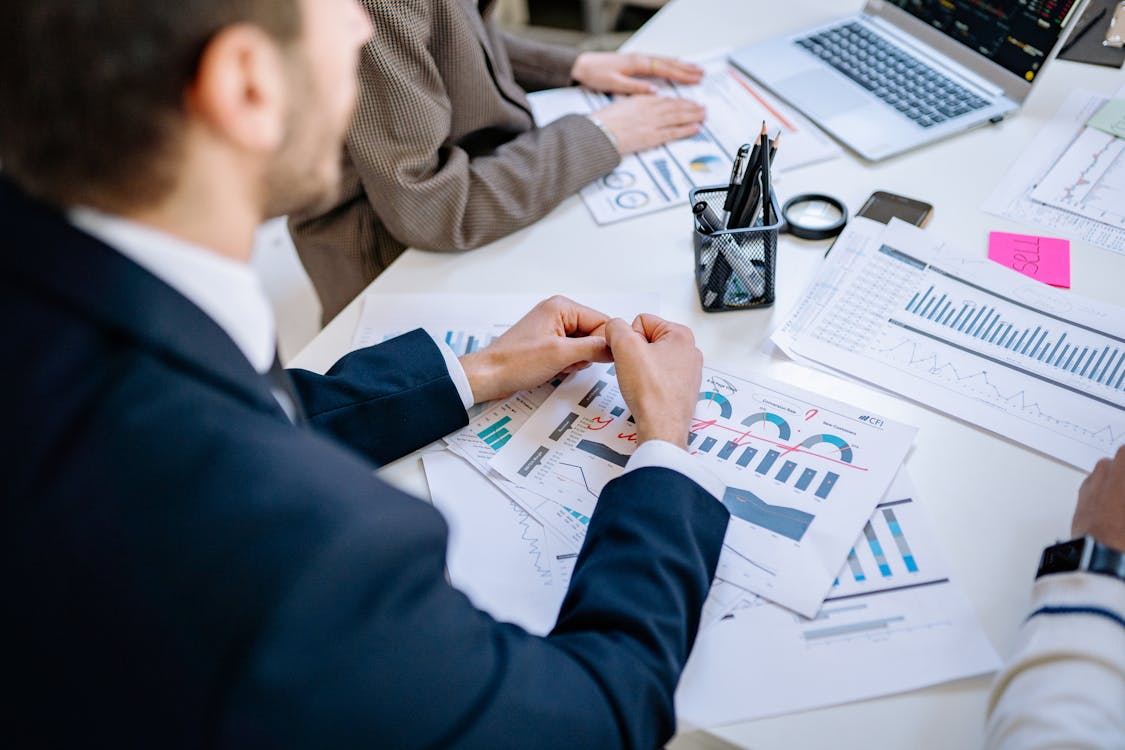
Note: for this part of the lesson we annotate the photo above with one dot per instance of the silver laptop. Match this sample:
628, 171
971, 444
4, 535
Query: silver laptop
903, 73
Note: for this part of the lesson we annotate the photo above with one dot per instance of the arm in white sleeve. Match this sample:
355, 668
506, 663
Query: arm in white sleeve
665, 455
1064, 685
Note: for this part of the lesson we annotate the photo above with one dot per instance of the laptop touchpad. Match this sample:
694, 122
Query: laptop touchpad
820, 93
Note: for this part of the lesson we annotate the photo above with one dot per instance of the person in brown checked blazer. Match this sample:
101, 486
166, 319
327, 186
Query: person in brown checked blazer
443, 153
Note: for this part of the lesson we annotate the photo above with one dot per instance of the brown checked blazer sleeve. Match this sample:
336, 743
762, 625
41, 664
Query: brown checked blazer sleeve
443, 153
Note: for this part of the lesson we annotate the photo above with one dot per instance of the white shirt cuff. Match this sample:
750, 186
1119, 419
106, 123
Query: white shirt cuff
661, 454
456, 371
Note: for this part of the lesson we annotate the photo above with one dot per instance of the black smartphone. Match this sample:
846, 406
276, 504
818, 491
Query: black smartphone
883, 206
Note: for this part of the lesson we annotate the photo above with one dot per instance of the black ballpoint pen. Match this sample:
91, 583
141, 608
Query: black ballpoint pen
1079, 32
736, 174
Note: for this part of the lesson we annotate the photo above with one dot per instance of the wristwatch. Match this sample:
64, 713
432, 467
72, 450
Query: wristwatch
1084, 554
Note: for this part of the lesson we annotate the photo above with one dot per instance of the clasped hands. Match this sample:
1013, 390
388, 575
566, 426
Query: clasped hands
659, 368
643, 120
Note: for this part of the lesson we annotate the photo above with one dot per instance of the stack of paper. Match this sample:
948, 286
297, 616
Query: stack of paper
827, 567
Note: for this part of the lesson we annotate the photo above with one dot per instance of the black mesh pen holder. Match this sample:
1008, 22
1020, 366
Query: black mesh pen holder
734, 268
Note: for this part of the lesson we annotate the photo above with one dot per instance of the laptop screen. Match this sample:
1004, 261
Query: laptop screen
1016, 34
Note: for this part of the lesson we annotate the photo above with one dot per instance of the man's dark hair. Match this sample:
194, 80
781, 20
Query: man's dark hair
92, 91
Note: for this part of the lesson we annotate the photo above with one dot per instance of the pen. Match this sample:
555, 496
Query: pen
708, 222
742, 191
767, 187
1079, 31
736, 174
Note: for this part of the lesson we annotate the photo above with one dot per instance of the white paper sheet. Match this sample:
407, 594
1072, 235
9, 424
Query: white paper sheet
1089, 179
499, 556
893, 622
802, 472
968, 337
661, 178
1012, 198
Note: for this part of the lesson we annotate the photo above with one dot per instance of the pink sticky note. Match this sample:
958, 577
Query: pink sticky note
1045, 259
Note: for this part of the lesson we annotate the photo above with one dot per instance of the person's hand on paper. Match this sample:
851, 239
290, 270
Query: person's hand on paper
659, 371
643, 122
624, 73
1101, 503
558, 335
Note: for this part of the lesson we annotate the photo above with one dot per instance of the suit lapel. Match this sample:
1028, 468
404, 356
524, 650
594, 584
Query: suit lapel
46, 253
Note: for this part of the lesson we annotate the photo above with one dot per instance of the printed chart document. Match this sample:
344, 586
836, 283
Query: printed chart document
661, 178
894, 621
1089, 179
802, 472
968, 337
1068, 181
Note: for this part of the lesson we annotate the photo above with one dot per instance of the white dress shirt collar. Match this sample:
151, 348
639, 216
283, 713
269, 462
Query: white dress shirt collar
229, 292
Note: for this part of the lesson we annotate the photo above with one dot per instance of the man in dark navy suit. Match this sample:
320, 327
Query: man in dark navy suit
195, 550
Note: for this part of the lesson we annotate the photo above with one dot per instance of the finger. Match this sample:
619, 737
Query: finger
620, 83
586, 349
677, 70
619, 335
650, 326
574, 318
680, 112
678, 132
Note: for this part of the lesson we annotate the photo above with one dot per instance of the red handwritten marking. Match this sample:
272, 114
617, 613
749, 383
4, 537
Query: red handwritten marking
631, 437
603, 423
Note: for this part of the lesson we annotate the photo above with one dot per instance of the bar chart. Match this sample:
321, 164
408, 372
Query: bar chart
768, 466
1023, 332
969, 337
887, 555
496, 435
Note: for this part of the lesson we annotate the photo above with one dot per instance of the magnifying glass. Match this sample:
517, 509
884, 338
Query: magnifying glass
814, 216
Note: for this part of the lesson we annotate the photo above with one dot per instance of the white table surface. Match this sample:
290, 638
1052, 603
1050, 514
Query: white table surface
994, 503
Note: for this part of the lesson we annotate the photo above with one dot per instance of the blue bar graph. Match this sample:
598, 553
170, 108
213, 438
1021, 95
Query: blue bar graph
900, 540
727, 450
857, 569
786, 471
877, 550
826, 485
747, 456
767, 462
707, 445
806, 479
1095, 361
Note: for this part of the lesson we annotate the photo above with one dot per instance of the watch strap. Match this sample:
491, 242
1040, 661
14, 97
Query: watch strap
1084, 554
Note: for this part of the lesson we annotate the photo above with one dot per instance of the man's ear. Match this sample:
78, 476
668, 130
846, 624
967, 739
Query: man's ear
240, 92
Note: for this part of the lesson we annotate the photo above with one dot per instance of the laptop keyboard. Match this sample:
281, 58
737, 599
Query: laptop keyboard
901, 80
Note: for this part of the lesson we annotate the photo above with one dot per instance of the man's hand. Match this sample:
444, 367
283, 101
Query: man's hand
659, 371
617, 73
558, 335
1101, 503
643, 122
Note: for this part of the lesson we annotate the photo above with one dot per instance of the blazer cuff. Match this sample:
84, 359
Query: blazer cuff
456, 371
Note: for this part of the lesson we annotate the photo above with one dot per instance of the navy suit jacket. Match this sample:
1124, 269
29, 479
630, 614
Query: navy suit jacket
182, 567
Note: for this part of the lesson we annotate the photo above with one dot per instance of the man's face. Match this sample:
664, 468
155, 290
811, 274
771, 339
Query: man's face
306, 172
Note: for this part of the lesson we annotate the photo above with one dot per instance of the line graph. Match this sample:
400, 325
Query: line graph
1089, 179
965, 374
973, 339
